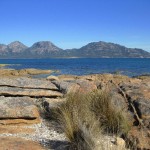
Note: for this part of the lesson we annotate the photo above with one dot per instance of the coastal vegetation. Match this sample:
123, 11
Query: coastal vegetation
86, 117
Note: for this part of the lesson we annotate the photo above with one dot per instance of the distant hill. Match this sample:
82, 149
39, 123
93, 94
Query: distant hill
43, 49
46, 49
12, 50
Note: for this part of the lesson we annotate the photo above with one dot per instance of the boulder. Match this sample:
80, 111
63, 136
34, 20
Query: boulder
52, 102
85, 86
18, 110
50, 105
80, 85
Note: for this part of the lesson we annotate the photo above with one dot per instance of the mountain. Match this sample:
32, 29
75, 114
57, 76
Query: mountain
12, 50
16, 47
43, 49
103, 50
3, 50
46, 49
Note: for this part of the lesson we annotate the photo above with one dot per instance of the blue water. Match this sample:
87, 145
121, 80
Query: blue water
84, 66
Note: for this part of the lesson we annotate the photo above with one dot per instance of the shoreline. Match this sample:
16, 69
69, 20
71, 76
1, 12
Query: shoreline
32, 72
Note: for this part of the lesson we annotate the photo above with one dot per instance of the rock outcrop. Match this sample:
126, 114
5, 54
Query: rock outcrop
132, 94
21, 123
22, 120
24, 72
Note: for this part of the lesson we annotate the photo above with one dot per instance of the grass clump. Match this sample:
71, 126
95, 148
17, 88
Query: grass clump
111, 119
76, 120
83, 118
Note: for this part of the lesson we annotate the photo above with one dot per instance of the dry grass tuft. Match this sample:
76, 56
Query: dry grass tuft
84, 117
111, 119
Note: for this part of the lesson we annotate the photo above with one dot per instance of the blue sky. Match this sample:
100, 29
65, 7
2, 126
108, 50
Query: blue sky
74, 23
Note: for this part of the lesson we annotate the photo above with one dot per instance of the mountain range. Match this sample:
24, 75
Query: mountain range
46, 49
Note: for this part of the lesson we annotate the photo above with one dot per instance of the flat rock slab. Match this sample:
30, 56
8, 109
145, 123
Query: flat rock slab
13, 143
17, 108
25, 82
9, 129
11, 91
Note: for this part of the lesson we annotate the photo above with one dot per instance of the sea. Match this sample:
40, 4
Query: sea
84, 66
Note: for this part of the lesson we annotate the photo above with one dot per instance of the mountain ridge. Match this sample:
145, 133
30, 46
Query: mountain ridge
46, 49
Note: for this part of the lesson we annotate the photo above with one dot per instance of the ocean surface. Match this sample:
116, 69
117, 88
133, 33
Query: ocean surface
84, 66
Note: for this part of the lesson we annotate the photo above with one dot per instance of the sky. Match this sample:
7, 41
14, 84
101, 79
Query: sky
74, 23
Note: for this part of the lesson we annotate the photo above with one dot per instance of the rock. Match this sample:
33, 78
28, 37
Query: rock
66, 87
52, 103
18, 110
9, 129
139, 95
25, 82
68, 77
10, 91
85, 86
23, 72
143, 109
90, 77
52, 78
139, 139
32, 71
14, 143
106, 142
120, 142
78, 85
137, 92
50, 106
